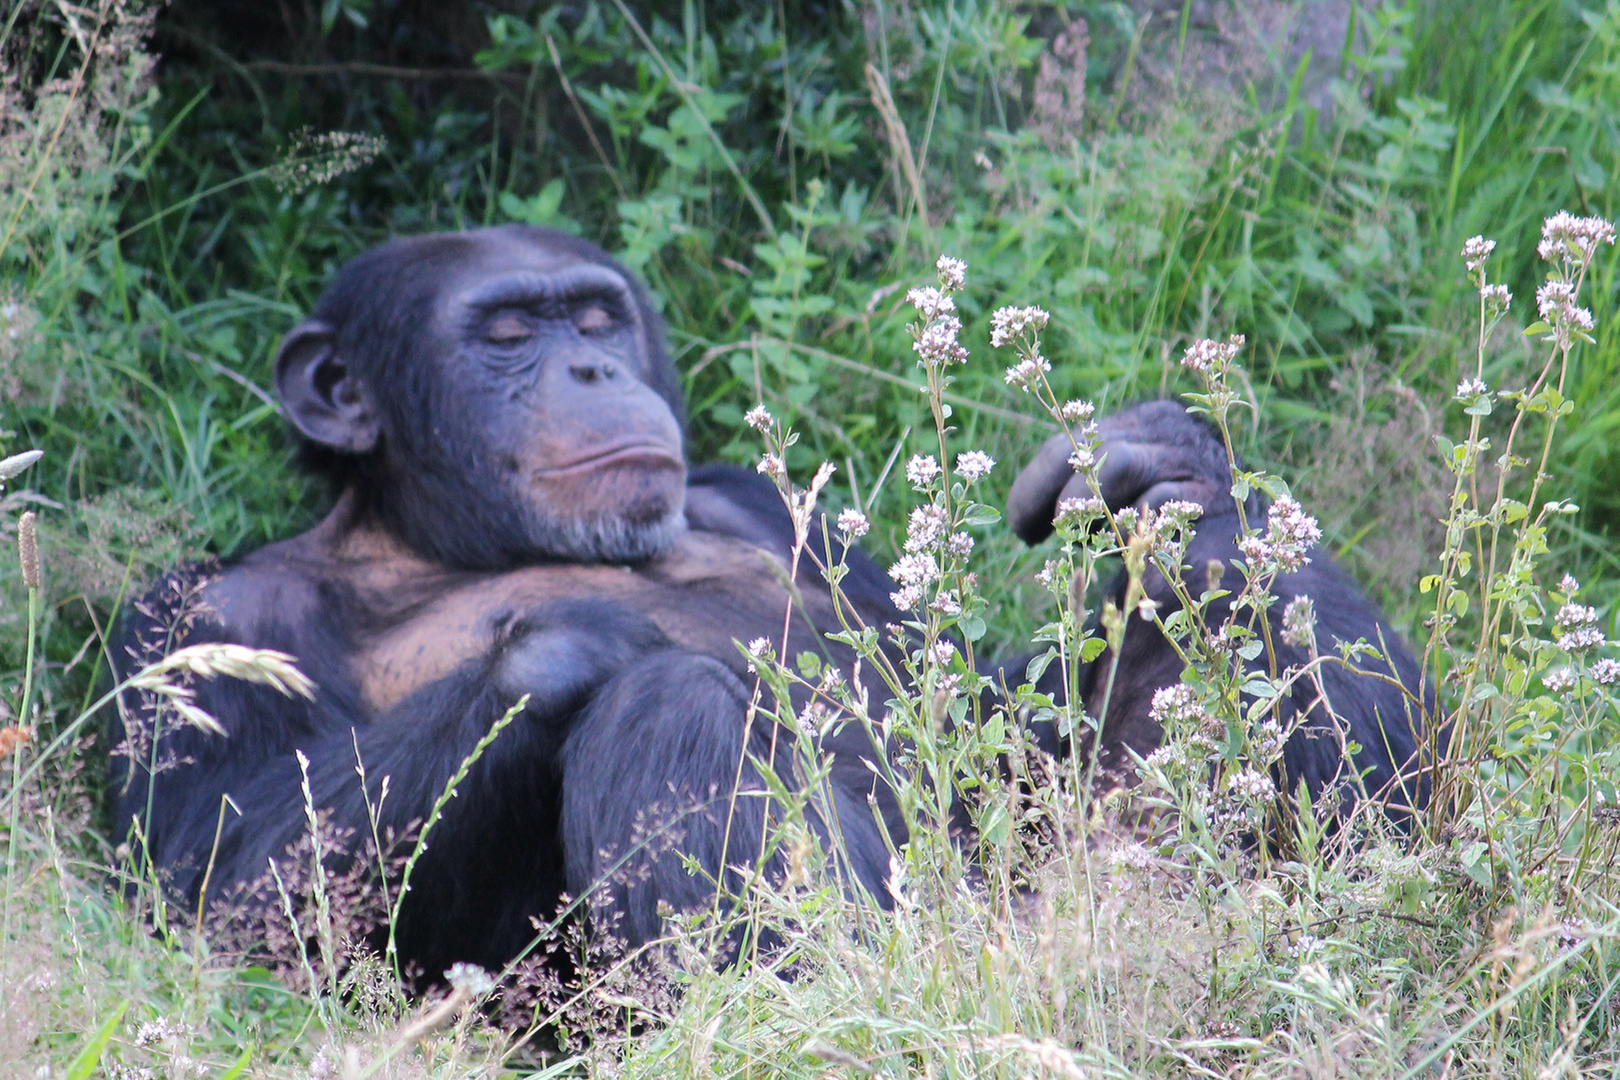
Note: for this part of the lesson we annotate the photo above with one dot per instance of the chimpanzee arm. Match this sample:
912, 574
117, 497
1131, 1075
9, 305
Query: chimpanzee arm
480, 894
1155, 452
1152, 453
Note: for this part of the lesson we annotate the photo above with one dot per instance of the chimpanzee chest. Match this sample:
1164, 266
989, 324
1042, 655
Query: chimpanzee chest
707, 594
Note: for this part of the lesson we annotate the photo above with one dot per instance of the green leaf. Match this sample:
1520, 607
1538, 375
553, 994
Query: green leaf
85, 1063
972, 627
980, 514
995, 826
1476, 865
238, 1066
1091, 648
1037, 666
1537, 327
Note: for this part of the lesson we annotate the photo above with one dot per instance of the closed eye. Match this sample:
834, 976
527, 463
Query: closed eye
593, 318
508, 330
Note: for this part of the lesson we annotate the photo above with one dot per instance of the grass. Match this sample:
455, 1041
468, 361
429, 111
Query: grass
780, 195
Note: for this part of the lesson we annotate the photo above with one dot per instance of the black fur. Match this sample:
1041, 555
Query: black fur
627, 756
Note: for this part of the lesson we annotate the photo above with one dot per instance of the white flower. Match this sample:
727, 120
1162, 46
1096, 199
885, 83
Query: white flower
1307, 944
942, 652
1007, 323
153, 1032
1576, 630
922, 470
758, 418
471, 979
772, 466
926, 528
1553, 296
759, 650
1565, 236
947, 603
907, 598
1212, 357
1051, 574
1292, 532
1082, 459
1168, 758
1575, 615
1266, 743
1026, 374
959, 545
1251, 786
1559, 682
1133, 855
1469, 389
853, 523
1475, 251
1074, 512
930, 301
1606, 672
973, 465
938, 345
1496, 296
1569, 585
1077, 410
914, 570
1298, 622
1177, 708
1179, 512
1587, 637
952, 272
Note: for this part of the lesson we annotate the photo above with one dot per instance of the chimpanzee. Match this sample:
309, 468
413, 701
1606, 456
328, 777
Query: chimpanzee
515, 516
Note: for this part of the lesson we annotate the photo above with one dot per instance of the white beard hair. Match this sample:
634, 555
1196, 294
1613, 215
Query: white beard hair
608, 540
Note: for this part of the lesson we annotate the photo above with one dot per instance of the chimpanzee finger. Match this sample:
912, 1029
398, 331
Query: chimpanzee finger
1035, 492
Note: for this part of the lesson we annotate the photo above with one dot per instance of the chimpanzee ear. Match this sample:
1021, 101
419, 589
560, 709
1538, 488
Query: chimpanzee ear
322, 397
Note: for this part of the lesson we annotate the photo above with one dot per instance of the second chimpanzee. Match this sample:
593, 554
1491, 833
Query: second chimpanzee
515, 516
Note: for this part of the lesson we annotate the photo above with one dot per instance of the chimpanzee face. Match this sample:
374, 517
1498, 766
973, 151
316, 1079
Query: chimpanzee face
550, 363
519, 401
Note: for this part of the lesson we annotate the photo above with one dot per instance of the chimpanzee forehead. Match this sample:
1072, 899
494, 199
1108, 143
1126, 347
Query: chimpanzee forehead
504, 269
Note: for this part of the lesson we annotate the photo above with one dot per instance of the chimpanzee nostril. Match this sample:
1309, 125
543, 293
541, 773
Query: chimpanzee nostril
585, 373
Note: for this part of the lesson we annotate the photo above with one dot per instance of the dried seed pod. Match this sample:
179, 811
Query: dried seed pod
28, 548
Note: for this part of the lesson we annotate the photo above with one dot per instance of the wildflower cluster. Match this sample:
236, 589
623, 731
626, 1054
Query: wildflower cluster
1021, 328
1290, 534
311, 159
1212, 359
934, 336
1570, 239
1160, 530
1576, 626
1299, 623
1494, 298
1568, 242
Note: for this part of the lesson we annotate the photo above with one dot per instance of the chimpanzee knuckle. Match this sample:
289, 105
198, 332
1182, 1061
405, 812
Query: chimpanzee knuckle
1034, 494
556, 667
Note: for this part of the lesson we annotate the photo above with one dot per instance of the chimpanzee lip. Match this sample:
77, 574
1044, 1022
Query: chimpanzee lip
656, 455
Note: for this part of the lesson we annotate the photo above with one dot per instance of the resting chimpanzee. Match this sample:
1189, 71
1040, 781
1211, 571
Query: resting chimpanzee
516, 516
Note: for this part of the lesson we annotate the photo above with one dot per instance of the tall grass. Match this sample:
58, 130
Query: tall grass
781, 177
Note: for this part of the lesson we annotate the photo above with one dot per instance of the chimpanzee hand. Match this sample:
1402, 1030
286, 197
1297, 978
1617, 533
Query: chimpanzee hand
1151, 453
563, 652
